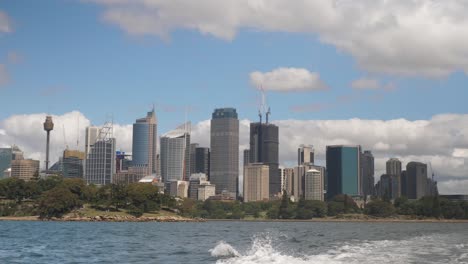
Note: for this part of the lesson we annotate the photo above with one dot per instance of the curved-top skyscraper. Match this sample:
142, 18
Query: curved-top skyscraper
224, 143
144, 143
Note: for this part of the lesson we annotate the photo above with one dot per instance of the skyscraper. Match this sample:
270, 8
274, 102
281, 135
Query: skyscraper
224, 158
72, 164
100, 158
145, 143
305, 154
367, 173
264, 148
193, 158
175, 154
343, 170
202, 161
256, 186
91, 135
416, 180
313, 184
393, 168
5, 160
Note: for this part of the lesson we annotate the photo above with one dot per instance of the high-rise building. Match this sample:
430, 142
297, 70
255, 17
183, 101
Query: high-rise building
393, 168
305, 155
256, 182
100, 158
202, 161
175, 154
6, 156
367, 173
389, 186
144, 144
287, 175
416, 180
246, 157
72, 164
343, 170
264, 148
314, 184
193, 158
91, 135
403, 181
25, 169
224, 145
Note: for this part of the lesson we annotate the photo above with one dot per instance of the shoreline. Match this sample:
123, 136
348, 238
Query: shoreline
193, 220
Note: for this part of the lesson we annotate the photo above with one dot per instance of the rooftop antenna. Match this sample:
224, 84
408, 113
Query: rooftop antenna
262, 108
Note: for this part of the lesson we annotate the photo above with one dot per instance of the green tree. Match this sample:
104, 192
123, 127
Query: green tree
285, 211
379, 208
451, 209
15, 189
436, 210
57, 202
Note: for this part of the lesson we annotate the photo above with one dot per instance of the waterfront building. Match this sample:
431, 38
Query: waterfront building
343, 170
367, 173
256, 182
196, 180
201, 161
287, 175
144, 143
416, 180
178, 188
25, 169
175, 154
72, 164
91, 135
206, 191
100, 158
224, 145
313, 184
264, 148
6, 156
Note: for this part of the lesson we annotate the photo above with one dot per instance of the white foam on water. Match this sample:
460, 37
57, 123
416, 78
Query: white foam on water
223, 249
417, 249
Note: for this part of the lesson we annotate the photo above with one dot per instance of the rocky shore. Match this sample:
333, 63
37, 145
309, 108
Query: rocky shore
106, 218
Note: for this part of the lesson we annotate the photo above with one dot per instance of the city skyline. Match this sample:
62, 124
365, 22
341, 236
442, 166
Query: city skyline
322, 92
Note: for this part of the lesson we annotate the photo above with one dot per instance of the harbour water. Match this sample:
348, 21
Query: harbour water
232, 242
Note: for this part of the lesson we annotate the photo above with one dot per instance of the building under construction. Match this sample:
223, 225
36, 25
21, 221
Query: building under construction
100, 157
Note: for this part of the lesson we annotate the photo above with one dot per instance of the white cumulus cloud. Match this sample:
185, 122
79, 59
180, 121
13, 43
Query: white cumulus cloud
441, 140
400, 37
287, 79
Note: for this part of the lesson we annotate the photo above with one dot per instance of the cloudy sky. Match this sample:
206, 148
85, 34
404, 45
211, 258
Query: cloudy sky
391, 76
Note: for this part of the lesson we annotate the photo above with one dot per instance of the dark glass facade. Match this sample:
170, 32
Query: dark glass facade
264, 148
343, 170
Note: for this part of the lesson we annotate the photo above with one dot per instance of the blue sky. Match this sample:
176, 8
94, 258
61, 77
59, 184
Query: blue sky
73, 60
401, 67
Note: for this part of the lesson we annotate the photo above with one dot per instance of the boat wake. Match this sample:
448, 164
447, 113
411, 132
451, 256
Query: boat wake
414, 250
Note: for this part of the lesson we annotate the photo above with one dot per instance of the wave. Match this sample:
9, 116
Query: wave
426, 249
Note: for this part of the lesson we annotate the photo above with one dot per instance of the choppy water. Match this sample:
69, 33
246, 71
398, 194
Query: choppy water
232, 242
